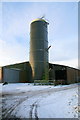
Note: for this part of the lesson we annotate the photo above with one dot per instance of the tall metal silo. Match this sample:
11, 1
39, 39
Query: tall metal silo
39, 49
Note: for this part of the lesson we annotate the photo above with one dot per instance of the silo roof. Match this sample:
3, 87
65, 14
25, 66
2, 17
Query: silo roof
39, 19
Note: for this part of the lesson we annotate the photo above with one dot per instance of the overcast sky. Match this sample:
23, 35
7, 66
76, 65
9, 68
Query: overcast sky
62, 31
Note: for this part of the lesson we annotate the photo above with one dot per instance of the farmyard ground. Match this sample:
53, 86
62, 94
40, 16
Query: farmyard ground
29, 101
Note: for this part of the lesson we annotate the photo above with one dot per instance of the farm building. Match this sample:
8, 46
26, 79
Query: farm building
22, 73
38, 68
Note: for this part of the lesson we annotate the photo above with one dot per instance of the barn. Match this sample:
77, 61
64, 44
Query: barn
22, 73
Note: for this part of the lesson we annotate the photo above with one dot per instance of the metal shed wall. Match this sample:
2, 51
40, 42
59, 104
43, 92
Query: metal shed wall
78, 75
11, 75
25, 76
71, 75
1, 75
25, 72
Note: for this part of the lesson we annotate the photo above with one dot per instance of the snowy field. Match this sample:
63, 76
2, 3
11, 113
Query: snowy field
29, 101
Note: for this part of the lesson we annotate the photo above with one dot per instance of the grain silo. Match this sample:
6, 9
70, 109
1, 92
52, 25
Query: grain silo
39, 49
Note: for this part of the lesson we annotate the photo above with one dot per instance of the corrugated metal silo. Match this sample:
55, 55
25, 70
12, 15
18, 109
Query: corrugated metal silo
39, 49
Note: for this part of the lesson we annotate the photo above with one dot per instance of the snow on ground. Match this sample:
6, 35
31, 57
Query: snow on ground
29, 101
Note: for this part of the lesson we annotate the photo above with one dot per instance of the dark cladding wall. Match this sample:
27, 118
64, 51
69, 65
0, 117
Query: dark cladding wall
79, 75
72, 75
57, 73
51, 72
76, 75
